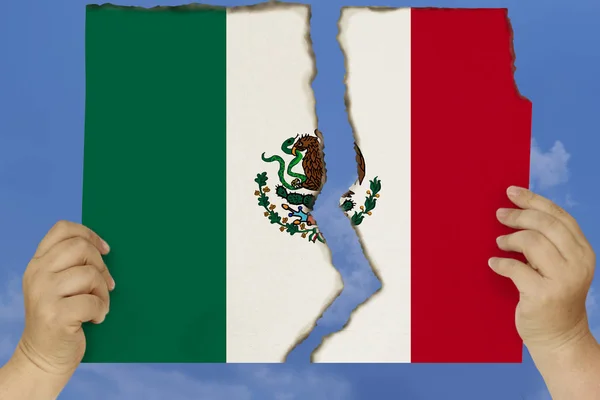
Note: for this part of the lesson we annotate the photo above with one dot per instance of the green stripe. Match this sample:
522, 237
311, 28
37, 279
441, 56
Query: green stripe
154, 180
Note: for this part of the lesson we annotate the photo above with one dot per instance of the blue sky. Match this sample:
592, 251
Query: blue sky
42, 88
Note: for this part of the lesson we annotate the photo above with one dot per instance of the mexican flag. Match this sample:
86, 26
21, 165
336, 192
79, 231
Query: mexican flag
444, 131
202, 161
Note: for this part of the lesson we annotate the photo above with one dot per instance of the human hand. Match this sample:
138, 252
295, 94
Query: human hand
553, 285
65, 284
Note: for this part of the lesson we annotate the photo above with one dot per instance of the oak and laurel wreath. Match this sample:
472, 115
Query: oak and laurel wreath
313, 234
369, 205
307, 200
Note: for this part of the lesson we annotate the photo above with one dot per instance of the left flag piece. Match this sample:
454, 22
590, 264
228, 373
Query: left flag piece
214, 252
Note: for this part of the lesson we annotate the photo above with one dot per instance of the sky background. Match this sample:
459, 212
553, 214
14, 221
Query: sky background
42, 93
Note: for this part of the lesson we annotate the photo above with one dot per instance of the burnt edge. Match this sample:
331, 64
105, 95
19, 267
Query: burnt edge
266, 5
307, 334
513, 55
357, 143
504, 9
356, 139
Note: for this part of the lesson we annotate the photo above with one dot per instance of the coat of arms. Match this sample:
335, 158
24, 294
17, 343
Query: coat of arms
300, 176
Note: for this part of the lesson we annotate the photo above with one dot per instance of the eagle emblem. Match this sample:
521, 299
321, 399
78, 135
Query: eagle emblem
301, 175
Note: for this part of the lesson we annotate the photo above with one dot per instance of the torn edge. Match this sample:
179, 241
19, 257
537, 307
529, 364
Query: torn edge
505, 10
374, 295
307, 332
267, 5
357, 144
186, 7
513, 56
347, 104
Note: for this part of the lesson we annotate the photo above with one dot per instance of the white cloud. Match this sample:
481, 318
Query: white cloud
596, 333
591, 302
11, 303
7, 347
543, 394
125, 382
292, 384
569, 202
12, 316
336, 226
549, 169
593, 310
244, 382
359, 280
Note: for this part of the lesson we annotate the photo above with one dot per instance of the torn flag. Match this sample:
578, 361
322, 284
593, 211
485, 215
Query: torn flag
444, 132
202, 160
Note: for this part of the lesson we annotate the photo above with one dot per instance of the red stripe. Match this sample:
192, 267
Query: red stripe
471, 137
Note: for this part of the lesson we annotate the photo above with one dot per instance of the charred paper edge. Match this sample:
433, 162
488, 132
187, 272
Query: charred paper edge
266, 5
340, 286
269, 5
356, 137
347, 102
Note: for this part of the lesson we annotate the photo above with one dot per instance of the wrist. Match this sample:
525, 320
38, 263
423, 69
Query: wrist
570, 367
577, 339
572, 350
27, 380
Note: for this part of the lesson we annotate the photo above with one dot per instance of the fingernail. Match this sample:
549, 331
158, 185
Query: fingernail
499, 239
111, 283
490, 261
514, 191
502, 212
105, 245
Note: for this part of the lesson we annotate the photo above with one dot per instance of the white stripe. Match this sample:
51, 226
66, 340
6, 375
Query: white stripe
377, 47
277, 284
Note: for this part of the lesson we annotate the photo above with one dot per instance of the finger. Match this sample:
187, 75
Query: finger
523, 276
77, 251
83, 308
64, 230
526, 199
540, 253
84, 279
548, 225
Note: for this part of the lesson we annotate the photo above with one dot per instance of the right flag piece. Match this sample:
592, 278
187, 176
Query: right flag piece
438, 117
